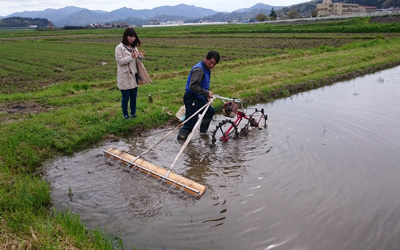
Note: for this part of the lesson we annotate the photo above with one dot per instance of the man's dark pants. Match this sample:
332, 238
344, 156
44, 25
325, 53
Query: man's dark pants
192, 104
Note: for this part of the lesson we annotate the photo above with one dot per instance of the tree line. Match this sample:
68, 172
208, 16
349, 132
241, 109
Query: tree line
22, 22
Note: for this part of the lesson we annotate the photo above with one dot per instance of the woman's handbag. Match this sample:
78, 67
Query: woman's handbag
143, 77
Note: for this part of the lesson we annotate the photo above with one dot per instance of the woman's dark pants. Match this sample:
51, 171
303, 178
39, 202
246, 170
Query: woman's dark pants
129, 95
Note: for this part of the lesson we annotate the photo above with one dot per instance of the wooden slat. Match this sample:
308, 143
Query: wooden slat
157, 172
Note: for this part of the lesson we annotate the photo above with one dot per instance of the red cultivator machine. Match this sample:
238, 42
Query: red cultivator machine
235, 129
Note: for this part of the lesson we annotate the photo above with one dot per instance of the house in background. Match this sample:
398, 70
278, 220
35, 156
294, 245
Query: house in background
154, 22
119, 25
368, 9
327, 8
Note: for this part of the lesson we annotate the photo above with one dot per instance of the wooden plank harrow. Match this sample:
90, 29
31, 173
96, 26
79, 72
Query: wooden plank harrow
171, 178
163, 174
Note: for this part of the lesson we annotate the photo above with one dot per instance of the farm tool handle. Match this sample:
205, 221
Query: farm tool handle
190, 135
230, 100
169, 133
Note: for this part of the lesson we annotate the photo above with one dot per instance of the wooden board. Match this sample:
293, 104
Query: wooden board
157, 172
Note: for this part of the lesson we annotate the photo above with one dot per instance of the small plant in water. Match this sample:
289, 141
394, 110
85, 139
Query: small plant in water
70, 194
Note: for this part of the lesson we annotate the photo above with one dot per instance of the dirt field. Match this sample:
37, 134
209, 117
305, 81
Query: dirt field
385, 19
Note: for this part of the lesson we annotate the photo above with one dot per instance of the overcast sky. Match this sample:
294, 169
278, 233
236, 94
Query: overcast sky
8, 7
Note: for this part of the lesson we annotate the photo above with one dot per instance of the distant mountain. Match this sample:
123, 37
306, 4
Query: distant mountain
240, 14
303, 9
74, 16
182, 10
261, 8
51, 14
82, 18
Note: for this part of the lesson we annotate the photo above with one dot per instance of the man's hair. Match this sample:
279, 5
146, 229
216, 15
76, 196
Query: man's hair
213, 54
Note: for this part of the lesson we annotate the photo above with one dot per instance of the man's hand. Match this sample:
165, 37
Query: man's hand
210, 95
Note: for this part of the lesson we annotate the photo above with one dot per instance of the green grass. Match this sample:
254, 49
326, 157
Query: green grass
72, 100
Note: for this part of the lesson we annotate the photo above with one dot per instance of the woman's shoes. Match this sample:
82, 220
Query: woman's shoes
129, 117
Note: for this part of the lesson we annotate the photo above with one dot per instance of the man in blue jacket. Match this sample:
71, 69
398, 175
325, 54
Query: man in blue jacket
197, 94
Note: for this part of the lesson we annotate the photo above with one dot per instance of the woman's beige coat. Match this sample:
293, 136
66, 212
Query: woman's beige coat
126, 68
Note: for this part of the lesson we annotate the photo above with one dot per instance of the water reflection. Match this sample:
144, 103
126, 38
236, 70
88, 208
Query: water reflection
324, 175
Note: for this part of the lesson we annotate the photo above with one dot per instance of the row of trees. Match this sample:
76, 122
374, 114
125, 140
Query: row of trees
24, 22
271, 16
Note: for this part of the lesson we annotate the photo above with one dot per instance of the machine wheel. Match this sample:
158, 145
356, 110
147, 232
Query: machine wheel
224, 131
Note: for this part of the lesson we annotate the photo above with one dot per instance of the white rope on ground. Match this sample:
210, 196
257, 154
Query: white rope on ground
190, 136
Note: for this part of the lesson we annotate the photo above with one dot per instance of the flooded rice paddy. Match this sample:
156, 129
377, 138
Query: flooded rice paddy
325, 174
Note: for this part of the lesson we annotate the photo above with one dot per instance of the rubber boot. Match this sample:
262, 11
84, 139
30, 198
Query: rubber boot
205, 123
183, 134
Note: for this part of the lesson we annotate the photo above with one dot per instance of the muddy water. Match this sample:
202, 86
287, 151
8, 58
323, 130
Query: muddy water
325, 174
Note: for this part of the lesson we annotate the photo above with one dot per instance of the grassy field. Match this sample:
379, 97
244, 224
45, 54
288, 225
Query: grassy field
58, 95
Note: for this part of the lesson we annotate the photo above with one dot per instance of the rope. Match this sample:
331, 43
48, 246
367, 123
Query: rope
169, 133
190, 136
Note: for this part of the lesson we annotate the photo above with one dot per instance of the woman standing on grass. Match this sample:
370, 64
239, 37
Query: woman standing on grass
126, 54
